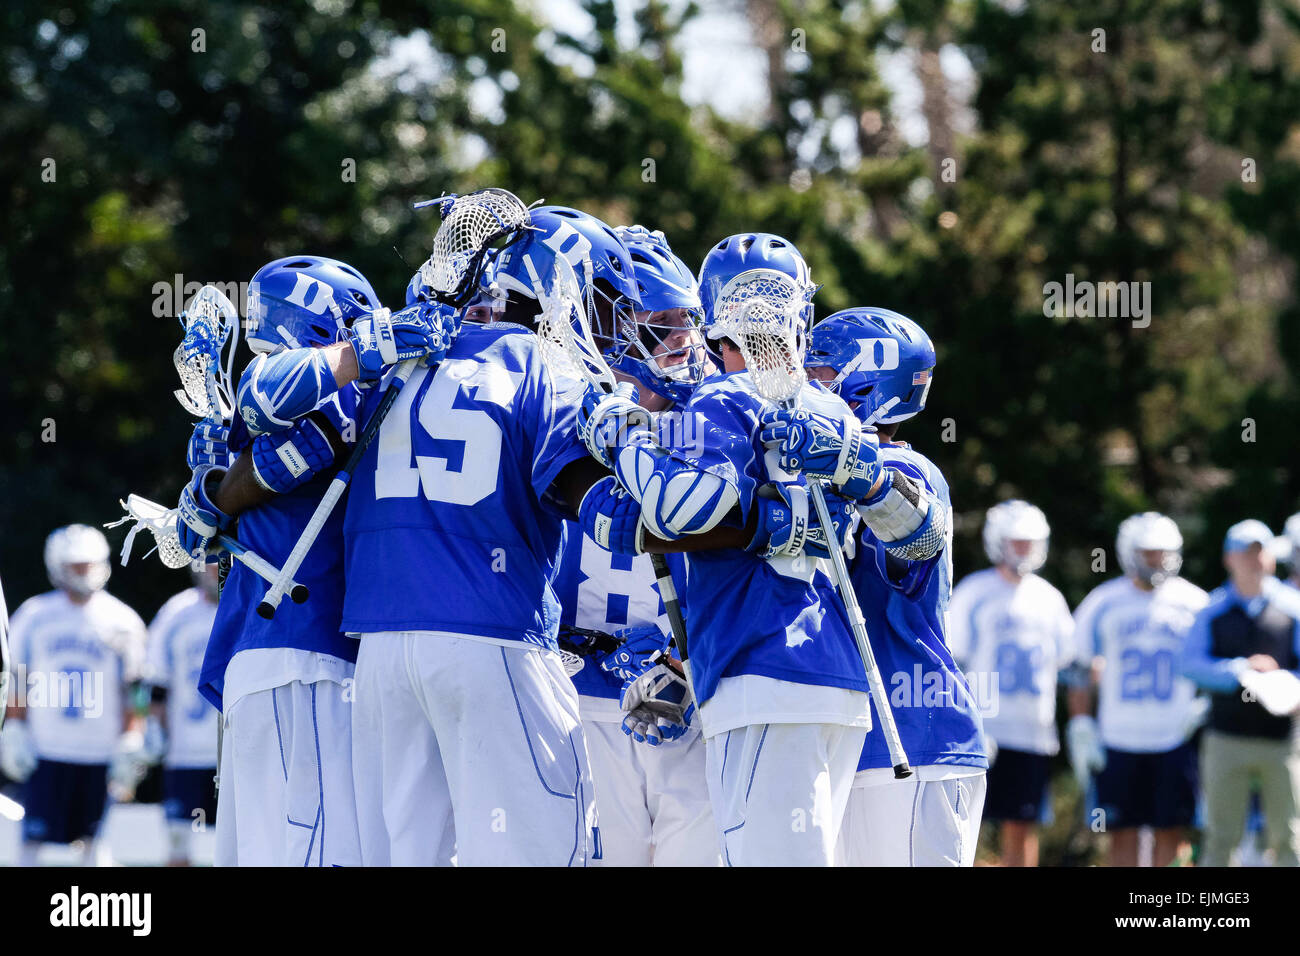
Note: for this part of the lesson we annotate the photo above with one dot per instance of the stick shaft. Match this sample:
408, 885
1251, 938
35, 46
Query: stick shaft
251, 560
884, 711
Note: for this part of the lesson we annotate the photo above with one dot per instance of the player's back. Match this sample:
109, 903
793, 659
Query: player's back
178, 639
1143, 702
76, 660
451, 525
1022, 633
776, 617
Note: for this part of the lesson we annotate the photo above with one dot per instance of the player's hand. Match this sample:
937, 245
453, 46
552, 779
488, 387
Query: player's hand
838, 450
844, 516
207, 446
17, 756
199, 520
1262, 663
657, 703
1087, 756
611, 517
642, 646
283, 461
788, 525
419, 331
608, 420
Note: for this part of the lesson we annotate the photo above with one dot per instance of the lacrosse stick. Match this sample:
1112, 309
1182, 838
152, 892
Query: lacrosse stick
161, 523
570, 351
211, 321
471, 225
760, 310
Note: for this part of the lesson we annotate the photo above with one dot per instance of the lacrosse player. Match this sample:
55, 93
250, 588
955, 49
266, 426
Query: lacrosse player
187, 724
77, 650
881, 363
652, 801
1131, 633
282, 684
1012, 631
780, 685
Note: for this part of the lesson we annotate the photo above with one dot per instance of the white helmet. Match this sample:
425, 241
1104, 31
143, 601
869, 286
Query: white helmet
1016, 520
1291, 537
77, 544
1149, 531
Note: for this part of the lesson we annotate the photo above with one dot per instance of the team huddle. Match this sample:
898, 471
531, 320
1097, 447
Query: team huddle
492, 666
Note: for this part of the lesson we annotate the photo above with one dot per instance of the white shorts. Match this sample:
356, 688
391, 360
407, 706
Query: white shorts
469, 747
286, 796
653, 802
779, 791
913, 822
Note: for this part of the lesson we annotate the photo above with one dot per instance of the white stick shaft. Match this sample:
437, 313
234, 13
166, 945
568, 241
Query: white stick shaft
252, 560
284, 580
883, 710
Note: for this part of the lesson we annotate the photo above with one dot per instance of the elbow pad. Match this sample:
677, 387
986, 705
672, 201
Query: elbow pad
905, 518
676, 498
278, 388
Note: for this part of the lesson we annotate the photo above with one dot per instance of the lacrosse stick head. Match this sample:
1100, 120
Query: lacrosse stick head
568, 348
471, 225
762, 312
158, 521
208, 321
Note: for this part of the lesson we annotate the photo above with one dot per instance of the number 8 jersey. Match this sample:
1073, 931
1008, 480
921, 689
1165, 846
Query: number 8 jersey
1143, 701
452, 524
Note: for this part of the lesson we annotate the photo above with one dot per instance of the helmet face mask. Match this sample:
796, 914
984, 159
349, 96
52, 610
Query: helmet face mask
76, 560
1011, 522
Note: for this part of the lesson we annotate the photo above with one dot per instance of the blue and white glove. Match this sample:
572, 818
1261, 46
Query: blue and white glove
657, 703
642, 644
283, 461
788, 525
419, 331
207, 446
608, 420
17, 754
199, 520
1087, 755
611, 517
835, 449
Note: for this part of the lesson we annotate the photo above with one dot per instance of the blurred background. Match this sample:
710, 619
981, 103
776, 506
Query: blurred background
944, 159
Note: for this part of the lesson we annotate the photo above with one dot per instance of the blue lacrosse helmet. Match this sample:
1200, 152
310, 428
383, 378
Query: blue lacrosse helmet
640, 350
745, 251
882, 360
578, 237
302, 301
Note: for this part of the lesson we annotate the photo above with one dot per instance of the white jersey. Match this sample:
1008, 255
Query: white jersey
178, 637
78, 660
1013, 639
1143, 701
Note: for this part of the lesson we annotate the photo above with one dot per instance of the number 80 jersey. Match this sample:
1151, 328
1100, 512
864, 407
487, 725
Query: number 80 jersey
1143, 701
451, 524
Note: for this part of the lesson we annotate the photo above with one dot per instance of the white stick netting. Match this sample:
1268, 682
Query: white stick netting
209, 320
159, 522
762, 312
568, 348
470, 225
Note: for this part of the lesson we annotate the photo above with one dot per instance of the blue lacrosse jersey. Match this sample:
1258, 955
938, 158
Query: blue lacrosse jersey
452, 523
775, 617
271, 530
905, 605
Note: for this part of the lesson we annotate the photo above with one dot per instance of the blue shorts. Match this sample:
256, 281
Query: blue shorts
1017, 786
1149, 789
188, 789
63, 802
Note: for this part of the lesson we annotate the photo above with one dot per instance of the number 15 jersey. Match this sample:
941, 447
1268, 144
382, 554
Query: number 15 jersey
451, 522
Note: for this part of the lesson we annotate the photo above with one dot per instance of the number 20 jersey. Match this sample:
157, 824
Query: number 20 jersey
1143, 702
451, 522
